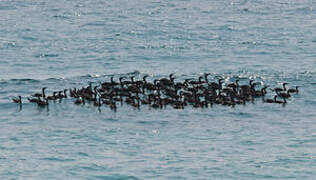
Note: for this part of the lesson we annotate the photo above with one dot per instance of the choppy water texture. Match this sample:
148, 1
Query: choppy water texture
62, 44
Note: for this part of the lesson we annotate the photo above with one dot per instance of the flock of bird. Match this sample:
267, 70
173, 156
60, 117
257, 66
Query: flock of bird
198, 93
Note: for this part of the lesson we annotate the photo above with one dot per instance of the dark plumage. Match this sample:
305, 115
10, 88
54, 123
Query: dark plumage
269, 100
278, 89
195, 92
79, 101
293, 90
43, 103
17, 100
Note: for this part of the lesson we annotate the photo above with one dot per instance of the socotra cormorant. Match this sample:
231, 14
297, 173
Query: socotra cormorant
17, 100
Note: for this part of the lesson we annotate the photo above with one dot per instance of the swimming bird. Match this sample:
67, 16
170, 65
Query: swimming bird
17, 100
122, 83
39, 94
269, 100
280, 102
284, 95
281, 89
72, 93
150, 86
53, 97
41, 103
214, 85
33, 100
65, 93
109, 84
234, 85
205, 77
262, 92
294, 90
59, 95
79, 101
167, 82
200, 81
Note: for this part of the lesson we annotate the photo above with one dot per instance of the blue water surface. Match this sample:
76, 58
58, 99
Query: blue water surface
69, 43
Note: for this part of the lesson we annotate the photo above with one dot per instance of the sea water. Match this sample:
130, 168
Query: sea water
64, 44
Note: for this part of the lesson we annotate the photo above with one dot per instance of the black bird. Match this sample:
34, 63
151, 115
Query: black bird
200, 81
122, 83
53, 97
280, 102
109, 84
41, 103
34, 100
294, 90
65, 93
79, 101
40, 95
17, 100
215, 85
262, 92
205, 77
269, 100
167, 82
284, 95
281, 89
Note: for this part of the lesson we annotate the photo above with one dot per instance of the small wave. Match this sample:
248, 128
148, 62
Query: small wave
242, 114
29, 38
57, 159
94, 167
133, 73
23, 80
83, 154
27, 80
54, 79
96, 23
46, 55
20, 81
6, 8
61, 17
116, 177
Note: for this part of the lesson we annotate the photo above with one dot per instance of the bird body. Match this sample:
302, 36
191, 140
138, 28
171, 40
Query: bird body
42, 103
293, 90
17, 100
